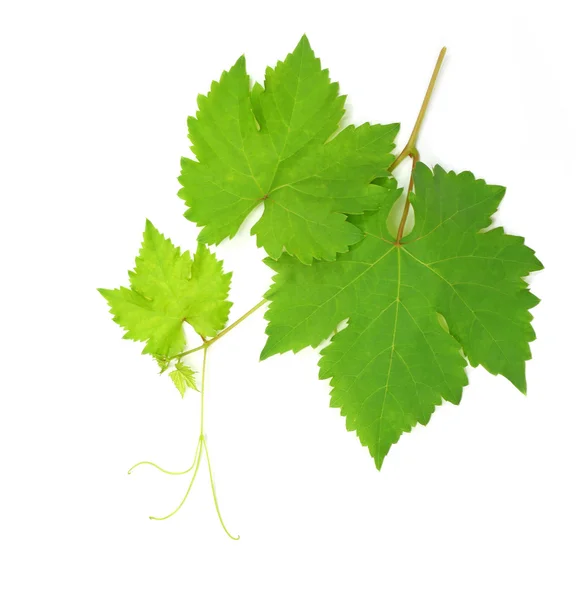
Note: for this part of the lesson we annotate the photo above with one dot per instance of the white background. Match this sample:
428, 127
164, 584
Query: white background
94, 98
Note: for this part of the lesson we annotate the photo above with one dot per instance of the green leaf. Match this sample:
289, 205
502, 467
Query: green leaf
163, 362
168, 288
183, 378
396, 359
269, 145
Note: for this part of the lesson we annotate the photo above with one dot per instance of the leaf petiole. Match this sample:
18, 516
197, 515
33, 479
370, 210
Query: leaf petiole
410, 148
406, 210
209, 342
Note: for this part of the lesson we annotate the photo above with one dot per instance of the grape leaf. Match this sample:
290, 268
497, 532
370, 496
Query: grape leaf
163, 362
269, 145
168, 288
183, 378
396, 359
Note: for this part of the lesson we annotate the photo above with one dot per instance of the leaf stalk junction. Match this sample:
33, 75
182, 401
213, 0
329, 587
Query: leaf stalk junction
410, 150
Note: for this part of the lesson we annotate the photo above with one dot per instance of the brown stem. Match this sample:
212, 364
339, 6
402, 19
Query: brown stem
410, 147
407, 203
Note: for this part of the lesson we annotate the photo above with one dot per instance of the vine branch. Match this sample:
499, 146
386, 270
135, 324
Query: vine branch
410, 150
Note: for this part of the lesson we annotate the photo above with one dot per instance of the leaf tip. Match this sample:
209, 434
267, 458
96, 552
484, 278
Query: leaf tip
105, 293
240, 64
149, 228
304, 41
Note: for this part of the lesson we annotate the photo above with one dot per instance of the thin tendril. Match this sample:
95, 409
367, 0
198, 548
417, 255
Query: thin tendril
215, 498
201, 446
199, 454
146, 462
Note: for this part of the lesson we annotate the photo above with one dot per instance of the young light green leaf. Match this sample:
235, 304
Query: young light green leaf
269, 146
183, 378
394, 362
163, 362
168, 288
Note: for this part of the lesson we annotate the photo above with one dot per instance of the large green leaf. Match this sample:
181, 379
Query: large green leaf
397, 359
168, 288
269, 145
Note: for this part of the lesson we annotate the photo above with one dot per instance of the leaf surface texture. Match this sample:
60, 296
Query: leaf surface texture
272, 144
396, 359
167, 289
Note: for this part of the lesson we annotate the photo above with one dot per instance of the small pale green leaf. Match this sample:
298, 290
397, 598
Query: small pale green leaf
183, 378
163, 362
167, 289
